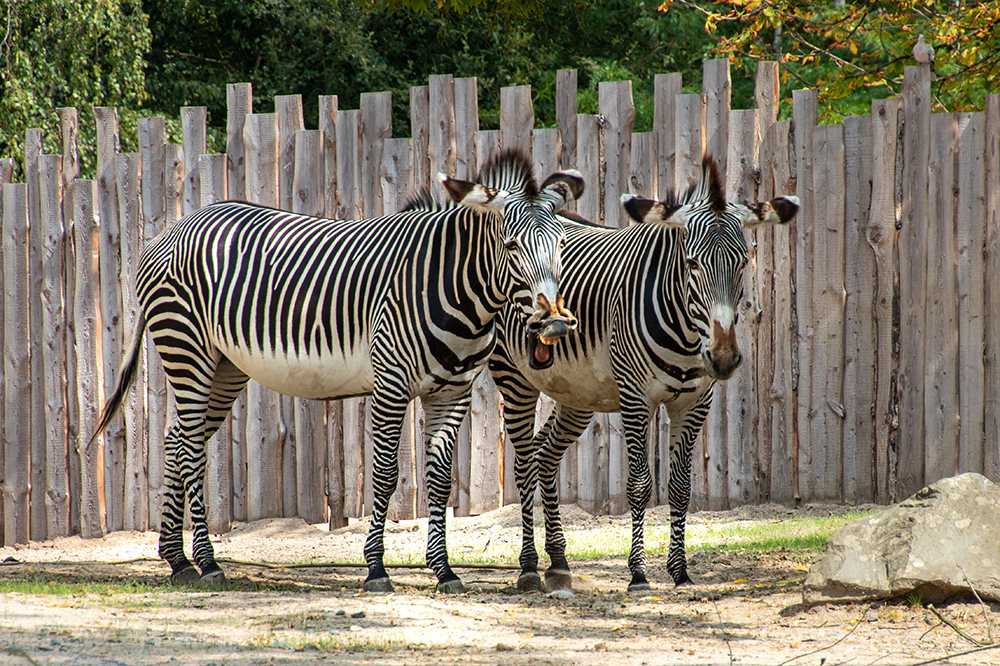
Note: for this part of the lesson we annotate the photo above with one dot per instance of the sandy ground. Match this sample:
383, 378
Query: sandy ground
744, 608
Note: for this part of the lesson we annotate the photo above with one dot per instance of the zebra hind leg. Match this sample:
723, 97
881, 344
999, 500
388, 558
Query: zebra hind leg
563, 428
171, 547
442, 423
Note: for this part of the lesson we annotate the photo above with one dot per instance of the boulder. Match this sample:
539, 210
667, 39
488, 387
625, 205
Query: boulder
932, 546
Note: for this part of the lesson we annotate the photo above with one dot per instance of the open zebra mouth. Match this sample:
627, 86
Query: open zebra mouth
540, 343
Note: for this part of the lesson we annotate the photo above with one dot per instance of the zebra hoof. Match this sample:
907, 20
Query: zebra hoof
213, 579
530, 582
558, 579
451, 587
378, 585
639, 588
683, 579
186, 576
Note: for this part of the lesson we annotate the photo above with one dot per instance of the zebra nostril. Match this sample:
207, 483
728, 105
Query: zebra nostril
738, 359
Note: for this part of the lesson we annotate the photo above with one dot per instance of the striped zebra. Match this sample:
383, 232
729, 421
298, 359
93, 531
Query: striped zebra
395, 307
657, 304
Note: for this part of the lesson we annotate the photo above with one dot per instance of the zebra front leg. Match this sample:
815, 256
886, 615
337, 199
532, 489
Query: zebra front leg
171, 549
684, 427
564, 427
441, 426
388, 412
519, 401
636, 413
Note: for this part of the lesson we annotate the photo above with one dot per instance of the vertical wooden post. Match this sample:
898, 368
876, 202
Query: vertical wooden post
152, 147
666, 88
689, 139
940, 374
239, 105
615, 104
883, 222
859, 330
17, 371
260, 136
193, 121
441, 136
55, 509
290, 120
827, 365
69, 131
113, 336
310, 426
778, 166
466, 96
517, 118
642, 165
328, 105
717, 88
420, 113
912, 278
805, 113
970, 223
991, 453
35, 450
135, 514
84, 384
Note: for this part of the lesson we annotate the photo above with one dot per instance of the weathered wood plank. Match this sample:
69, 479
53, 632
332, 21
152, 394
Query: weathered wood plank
805, 114
970, 223
717, 87
615, 105
260, 136
84, 385
376, 127
588, 157
883, 223
517, 118
912, 279
441, 133
127, 178
642, 165
193, 125
466, 100
54, 491
666, 88
290, 120
17, 369
328, 105
859, 330
113, 335
239, 104
940, 374
36, 443
827, 367
420, 119
991, 453
689, 139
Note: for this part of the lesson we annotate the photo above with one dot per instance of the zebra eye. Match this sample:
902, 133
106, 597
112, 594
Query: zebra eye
512, 245
693, 264
562, 244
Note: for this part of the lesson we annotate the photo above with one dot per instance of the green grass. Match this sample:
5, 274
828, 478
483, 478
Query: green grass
45, 585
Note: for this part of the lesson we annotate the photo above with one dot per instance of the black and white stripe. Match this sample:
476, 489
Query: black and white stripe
657, 306
396, 307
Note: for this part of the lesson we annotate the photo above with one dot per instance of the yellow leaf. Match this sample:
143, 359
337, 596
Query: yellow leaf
739, 580
806, 569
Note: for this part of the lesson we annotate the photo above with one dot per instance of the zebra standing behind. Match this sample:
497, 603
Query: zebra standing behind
396, 307
657, 303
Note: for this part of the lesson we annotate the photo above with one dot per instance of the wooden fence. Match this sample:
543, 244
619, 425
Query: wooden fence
870, 328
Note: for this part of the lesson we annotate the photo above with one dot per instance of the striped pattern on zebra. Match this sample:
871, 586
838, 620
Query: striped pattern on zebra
657, 304
396, 307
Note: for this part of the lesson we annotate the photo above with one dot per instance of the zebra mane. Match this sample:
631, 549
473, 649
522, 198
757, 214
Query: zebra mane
510, 170
422, 199
709, 186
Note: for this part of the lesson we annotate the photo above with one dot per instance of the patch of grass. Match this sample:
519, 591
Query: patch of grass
42, 585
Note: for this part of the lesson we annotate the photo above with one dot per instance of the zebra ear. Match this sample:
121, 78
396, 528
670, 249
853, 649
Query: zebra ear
474, 195
566, 185
779, 210
649, 211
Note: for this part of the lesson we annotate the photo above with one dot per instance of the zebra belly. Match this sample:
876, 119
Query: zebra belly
321, 377
588, 386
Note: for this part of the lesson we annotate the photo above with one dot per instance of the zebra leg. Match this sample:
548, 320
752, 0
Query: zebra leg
564, 427
519, 400
636, 413
442, 423
685, 423
388, 411
172, 513
227, 384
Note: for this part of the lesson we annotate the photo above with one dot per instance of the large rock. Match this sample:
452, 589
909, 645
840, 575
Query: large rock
932, 545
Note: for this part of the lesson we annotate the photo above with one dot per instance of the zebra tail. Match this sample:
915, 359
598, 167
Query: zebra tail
126, 375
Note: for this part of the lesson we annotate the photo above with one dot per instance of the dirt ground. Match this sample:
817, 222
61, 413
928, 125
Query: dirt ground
744, 608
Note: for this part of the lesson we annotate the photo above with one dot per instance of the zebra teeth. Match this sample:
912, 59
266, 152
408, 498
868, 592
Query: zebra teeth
547, 341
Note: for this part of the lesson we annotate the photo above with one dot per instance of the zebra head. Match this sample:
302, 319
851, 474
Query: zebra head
532, 241
716, 254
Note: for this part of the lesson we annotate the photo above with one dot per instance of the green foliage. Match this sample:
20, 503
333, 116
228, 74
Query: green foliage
855, 52
60, 53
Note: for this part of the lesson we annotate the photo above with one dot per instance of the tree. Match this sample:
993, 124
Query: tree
81, 53
853, 52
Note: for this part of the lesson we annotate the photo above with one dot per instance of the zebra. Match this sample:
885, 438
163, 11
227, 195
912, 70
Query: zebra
657, 304
396, 307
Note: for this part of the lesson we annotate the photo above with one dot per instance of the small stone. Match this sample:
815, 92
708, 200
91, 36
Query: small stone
872, 616
503, 647
561, 594
358, 615
341, 613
